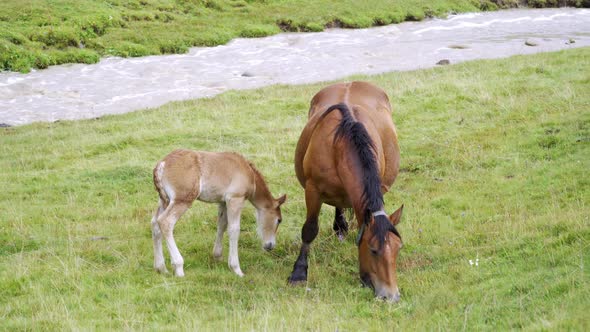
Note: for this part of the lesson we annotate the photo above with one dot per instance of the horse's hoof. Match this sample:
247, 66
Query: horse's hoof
341, 237
295, 281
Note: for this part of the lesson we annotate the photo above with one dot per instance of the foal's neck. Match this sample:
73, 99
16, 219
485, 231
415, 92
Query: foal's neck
261, 197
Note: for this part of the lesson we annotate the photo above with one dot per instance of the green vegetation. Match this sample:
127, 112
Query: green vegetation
495, 159
38, 34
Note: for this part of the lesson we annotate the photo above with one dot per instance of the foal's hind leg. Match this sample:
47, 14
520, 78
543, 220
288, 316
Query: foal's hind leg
340, 224
166, 221
159, 263
221, 227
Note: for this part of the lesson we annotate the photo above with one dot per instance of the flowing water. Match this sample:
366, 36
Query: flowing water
116, 85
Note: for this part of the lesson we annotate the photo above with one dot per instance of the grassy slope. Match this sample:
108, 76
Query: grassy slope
37, 34
495, 159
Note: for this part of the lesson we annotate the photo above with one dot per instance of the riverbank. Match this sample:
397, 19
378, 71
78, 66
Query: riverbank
36, 34
119, 85
495, 227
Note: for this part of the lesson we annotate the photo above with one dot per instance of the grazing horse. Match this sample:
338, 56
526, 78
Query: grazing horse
348, 157
224, 178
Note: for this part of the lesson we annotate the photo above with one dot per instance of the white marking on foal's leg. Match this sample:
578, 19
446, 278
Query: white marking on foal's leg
159, 262
234, 210
221, 227
167, 221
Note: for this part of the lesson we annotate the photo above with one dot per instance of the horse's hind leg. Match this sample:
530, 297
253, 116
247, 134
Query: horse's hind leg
340, 224
221, 227
166, 221
308, 234
159, 263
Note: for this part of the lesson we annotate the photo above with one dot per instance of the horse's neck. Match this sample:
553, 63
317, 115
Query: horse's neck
261, 196
355, 189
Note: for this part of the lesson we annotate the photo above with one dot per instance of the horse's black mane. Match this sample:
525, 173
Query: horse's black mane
360, 142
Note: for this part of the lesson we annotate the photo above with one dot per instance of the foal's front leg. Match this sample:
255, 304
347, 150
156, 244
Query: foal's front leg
234, 210
221, 227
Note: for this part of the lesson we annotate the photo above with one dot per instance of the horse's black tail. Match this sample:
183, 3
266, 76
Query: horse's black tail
361, 143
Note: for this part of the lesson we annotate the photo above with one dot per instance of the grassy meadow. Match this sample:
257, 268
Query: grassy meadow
38, 34
495, 159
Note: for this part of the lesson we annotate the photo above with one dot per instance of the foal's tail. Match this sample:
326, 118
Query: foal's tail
158, 174
362, 145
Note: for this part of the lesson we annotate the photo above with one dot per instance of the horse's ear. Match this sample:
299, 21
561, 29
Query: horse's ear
396, 217
282, 199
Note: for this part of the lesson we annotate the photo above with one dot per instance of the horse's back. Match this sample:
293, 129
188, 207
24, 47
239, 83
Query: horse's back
370, 105
364, 94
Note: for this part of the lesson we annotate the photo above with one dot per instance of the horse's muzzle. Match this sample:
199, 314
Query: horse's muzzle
389, 297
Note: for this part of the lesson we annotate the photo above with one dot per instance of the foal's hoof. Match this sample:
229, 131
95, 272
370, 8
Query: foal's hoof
161, 269
179, 271
341, 236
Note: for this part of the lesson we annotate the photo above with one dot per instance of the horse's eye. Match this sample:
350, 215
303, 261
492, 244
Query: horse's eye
374, 252
279, 220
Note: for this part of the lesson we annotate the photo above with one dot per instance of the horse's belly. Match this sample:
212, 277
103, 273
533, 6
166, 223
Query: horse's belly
333, 194
339, 202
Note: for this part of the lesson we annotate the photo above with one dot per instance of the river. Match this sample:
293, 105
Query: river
118, 85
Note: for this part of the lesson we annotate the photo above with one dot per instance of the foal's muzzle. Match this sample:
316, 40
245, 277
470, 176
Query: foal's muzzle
269, 246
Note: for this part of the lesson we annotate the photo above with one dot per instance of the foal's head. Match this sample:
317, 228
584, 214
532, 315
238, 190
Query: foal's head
379, 244
268, 219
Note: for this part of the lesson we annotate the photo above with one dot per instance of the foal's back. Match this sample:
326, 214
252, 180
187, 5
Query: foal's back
186, 175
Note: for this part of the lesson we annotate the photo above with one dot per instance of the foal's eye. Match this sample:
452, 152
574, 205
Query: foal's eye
279, 220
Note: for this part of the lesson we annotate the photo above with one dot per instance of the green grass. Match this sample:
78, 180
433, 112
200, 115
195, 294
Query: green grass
38, 34
495, 159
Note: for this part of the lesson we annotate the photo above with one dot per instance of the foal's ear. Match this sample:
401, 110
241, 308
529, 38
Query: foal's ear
396, 217
282, 199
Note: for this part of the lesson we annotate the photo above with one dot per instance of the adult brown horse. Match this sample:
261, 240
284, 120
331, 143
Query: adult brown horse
347, 159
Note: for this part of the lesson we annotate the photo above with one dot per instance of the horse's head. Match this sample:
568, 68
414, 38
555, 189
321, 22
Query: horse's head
379, 244
268, 219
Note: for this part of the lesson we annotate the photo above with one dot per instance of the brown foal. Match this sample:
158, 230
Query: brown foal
223, 178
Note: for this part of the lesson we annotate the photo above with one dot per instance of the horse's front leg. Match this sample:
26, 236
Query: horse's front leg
221, 227
234, 211
308, 234
340, 224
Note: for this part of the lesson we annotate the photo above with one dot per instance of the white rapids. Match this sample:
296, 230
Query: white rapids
117, 85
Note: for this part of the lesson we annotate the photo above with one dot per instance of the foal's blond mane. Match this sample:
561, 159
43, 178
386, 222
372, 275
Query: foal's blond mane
261, 187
